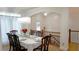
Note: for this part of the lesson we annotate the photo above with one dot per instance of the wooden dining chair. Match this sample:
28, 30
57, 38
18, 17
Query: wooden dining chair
44, 44
17, 45
10, 42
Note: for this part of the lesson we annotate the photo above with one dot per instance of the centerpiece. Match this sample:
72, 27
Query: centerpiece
24, 31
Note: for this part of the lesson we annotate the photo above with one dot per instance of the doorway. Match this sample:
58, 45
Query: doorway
73, 40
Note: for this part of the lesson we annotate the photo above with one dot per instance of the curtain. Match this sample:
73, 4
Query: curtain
8, 23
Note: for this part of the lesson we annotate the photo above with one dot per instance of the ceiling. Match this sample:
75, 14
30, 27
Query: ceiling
18, 10
26, 11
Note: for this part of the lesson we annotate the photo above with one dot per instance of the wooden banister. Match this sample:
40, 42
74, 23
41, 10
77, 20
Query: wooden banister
74, 31
70, 33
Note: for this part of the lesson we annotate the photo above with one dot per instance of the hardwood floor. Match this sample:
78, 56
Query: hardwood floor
51, 48
5, 47
54, 48
73, 46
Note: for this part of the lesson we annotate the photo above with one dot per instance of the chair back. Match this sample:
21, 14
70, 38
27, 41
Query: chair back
16, 42
45, 43
13, 32
10, 39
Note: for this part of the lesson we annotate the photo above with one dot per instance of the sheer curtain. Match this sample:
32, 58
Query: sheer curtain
8, 23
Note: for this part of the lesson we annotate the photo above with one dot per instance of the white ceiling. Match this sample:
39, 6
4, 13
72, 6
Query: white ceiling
26, 11
18, 10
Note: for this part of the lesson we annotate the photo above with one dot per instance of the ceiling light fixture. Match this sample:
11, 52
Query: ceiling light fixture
45, 14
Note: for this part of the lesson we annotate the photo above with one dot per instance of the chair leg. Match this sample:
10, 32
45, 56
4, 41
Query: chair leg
10, 48
14, 49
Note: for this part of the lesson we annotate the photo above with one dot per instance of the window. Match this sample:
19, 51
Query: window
8, 23
38, 26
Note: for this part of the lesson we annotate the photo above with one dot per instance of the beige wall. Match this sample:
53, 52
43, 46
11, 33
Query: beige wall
74, 18
51, 22
74, 23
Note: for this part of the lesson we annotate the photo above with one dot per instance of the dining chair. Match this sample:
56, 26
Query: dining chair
13, 31
44, 44
10, 42
17, 45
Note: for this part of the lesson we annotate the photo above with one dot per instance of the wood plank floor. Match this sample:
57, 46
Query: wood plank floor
51, 48
73, 46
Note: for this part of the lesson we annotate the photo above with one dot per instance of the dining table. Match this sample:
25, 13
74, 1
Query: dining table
30, 42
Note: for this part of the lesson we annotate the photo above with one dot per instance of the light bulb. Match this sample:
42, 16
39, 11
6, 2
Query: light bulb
45, 14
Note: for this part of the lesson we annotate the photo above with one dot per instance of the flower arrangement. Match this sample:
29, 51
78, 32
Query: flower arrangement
24, 30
